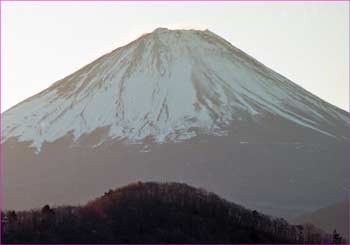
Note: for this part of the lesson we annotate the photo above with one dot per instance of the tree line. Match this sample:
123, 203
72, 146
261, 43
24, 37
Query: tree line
156, 213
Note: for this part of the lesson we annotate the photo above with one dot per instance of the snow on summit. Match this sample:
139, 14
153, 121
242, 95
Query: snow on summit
170, 85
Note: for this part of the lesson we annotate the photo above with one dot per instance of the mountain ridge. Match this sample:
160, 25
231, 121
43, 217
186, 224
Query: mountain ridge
177, 106
164, 87
155, 213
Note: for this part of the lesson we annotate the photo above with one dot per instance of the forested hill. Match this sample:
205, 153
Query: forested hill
155, 213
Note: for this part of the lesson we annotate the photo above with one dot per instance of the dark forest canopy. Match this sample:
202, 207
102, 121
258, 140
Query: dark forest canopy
155, 213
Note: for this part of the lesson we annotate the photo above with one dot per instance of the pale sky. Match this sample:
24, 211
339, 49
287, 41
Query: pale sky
308, 42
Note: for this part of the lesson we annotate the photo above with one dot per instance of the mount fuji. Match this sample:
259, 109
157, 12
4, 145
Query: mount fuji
176, 105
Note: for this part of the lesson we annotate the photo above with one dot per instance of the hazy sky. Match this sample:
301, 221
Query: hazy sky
44, 42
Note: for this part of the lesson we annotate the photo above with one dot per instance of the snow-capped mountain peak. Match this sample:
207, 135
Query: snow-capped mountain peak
168, 85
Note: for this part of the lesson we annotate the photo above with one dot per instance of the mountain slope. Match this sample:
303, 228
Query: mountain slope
328, 218
170, 86
155, 213
181, 106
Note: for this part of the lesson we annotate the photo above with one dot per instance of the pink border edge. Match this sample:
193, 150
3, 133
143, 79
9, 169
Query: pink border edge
0, 131
348, 187
174, 0
348, 195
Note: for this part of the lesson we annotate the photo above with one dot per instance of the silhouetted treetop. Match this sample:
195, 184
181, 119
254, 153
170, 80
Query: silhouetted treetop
156, 213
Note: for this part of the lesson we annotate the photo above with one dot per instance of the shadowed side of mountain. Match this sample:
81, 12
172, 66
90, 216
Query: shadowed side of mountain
154, 213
